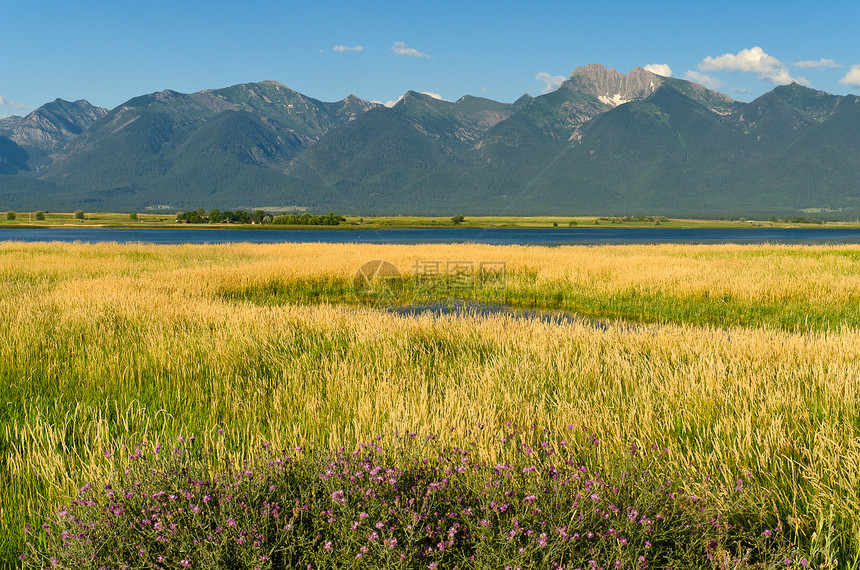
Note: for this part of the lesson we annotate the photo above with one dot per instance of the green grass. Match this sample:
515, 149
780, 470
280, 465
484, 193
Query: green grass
562, 299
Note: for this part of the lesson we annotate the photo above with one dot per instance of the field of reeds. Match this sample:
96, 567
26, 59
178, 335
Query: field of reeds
737, 367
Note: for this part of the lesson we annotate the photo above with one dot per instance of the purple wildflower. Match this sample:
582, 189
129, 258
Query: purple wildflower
338, 496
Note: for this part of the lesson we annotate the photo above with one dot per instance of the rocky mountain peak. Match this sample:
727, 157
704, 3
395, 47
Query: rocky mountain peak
524, 100
357, 102
53, 124
351, 107
611, 87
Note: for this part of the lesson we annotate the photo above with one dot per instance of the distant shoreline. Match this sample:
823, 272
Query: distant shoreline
158, 221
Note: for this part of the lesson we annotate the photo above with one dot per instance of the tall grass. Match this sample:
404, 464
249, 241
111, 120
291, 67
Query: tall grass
105, 346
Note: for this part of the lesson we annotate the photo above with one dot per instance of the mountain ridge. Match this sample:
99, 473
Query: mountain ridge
604, 142
50, 127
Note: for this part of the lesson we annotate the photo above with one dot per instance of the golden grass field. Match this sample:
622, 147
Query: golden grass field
734, 358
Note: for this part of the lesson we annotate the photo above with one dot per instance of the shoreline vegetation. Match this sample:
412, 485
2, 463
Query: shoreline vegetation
715, 386
253, 220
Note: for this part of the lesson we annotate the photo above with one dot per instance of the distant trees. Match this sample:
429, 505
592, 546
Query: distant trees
10, 215
79, 214
192, 217
796, 220
237, 217
457, 219
306, 219
216, 216
40, 216
132, 216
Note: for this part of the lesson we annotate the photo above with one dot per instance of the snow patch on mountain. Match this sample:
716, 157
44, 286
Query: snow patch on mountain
613, 101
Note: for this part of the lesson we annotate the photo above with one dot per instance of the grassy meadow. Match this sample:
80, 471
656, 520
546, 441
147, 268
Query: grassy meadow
737, 362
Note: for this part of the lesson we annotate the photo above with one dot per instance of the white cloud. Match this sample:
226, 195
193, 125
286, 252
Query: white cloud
852, 77
753, 60
820, 64
659, 69
401, 48
552, 82
706, 80
4, 102
434, 95
342, 49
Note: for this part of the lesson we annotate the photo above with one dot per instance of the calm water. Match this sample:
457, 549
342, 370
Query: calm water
495, 236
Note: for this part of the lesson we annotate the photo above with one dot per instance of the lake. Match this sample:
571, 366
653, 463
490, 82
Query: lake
493, 236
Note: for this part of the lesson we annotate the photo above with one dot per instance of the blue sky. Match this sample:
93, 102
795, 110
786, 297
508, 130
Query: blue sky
108, 52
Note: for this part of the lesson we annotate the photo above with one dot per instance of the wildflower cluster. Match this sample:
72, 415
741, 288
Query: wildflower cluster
373, 508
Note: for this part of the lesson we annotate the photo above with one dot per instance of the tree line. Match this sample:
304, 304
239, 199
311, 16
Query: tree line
216, 216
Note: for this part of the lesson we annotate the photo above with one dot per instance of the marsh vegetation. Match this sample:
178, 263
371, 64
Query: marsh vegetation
737, 365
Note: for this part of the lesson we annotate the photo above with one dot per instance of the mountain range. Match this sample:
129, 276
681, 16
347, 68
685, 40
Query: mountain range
602, 143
